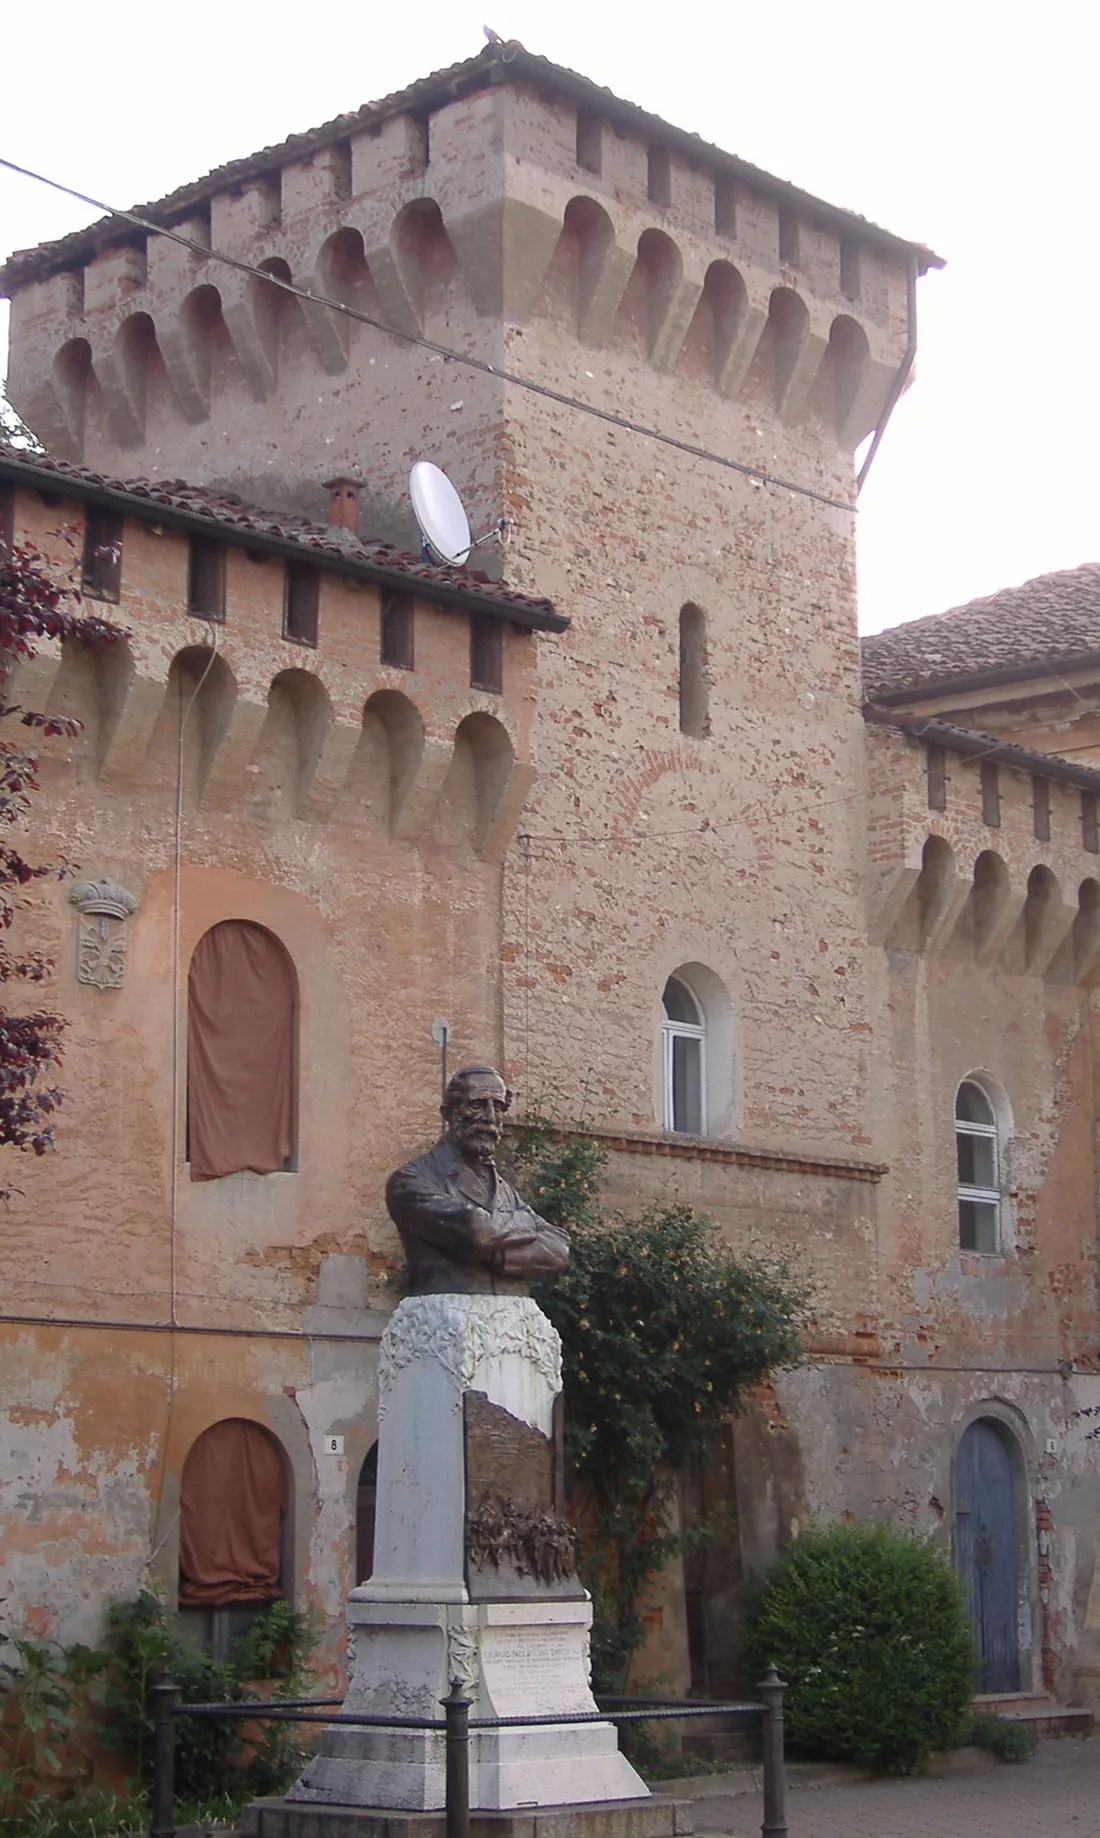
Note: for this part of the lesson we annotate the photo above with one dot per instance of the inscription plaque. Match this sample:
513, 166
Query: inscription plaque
535, 1673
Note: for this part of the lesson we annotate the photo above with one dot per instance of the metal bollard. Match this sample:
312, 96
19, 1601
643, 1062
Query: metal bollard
164, 1696
775, 1774
456, 1709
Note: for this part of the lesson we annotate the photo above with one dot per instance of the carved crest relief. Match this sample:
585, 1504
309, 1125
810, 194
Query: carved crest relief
103, 907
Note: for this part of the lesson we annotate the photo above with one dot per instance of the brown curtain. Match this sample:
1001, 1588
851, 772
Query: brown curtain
232, 1503
240, 1052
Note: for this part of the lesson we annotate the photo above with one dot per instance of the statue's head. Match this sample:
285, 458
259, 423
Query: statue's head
473, 1110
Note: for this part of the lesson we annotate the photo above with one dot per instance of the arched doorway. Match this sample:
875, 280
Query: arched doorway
366, 1498
987, 1550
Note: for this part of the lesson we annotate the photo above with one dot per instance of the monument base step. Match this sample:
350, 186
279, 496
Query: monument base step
653, 1818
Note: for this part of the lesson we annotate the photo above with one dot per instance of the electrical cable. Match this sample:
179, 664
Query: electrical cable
511, 377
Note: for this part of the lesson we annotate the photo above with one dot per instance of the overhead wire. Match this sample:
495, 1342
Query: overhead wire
511, 377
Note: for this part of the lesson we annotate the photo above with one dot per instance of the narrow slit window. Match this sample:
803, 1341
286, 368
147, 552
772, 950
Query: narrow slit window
937, 779
991, 794
101, 568
1040, 809
725, 206
660, 176
303, 599
788, 238
206, 578
589, 141
850, 258
397, 631
1090, 823
486, 654
694, 710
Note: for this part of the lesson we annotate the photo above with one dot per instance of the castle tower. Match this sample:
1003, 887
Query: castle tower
674, 357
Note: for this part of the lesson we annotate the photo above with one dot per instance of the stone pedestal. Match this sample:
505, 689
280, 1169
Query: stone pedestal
468, 1384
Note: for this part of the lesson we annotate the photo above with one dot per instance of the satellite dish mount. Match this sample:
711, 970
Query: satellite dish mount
444, 525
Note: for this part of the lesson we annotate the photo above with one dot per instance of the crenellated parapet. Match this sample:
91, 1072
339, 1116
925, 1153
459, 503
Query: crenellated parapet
992, 865
238, 710
505, 194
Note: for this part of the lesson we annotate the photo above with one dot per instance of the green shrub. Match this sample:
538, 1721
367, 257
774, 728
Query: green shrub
214, 1756
1007, 1740
869, 1631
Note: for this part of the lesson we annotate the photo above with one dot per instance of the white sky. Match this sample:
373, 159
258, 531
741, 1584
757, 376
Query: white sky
969, 126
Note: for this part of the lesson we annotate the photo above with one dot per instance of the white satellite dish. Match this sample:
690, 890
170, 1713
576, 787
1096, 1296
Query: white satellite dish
438, 510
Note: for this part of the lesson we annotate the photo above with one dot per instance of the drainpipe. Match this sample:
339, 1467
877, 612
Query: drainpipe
902, 377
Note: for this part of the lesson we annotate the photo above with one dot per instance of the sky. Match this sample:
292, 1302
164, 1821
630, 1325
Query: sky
969, 127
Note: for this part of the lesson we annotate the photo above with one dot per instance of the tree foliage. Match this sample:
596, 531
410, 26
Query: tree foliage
32, 606
868, 1628
663, 1332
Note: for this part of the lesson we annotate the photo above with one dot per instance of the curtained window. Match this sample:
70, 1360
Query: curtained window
240, 1053
233, 1499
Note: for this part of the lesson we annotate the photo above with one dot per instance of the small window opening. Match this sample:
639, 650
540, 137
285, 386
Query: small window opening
486, 654
937, 779
340, 168
788, 238
850, 259
419, 142
660, 176
1040, 809
303, 596
1090, 824
206, 578
978, 1171
683, 1034
101, 570
7, 516
198, 230
694, 710
725, 205
991, 794
589, 141
397, 631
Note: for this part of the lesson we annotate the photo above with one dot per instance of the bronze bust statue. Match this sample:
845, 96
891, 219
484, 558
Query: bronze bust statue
465, 1229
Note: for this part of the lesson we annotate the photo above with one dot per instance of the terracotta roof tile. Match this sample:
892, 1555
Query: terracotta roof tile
333, 547
1043, 624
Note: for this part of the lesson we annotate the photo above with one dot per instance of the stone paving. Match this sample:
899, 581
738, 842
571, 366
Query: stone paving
1055, 1795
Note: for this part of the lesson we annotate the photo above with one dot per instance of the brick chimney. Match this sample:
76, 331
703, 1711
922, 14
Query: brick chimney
343, 504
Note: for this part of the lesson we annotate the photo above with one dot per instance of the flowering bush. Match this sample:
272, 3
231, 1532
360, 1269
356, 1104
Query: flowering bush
868, 1628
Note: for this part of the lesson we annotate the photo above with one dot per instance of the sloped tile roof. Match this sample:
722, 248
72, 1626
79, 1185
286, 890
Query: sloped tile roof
496, 63
176, 501
1046, 624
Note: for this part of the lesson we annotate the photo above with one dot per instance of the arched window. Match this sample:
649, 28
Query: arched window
684, 1045
240, 1053
233, 1503
978, 1156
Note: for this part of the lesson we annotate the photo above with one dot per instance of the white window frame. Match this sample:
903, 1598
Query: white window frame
988, 1196
671, 1031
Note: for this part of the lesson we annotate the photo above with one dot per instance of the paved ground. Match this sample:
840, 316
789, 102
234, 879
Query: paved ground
1055, 1795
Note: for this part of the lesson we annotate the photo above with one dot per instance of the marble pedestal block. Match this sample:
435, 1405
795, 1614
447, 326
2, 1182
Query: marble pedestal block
427, 1616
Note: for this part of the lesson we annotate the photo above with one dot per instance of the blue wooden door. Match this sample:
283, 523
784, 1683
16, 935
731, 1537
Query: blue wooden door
985, 1547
